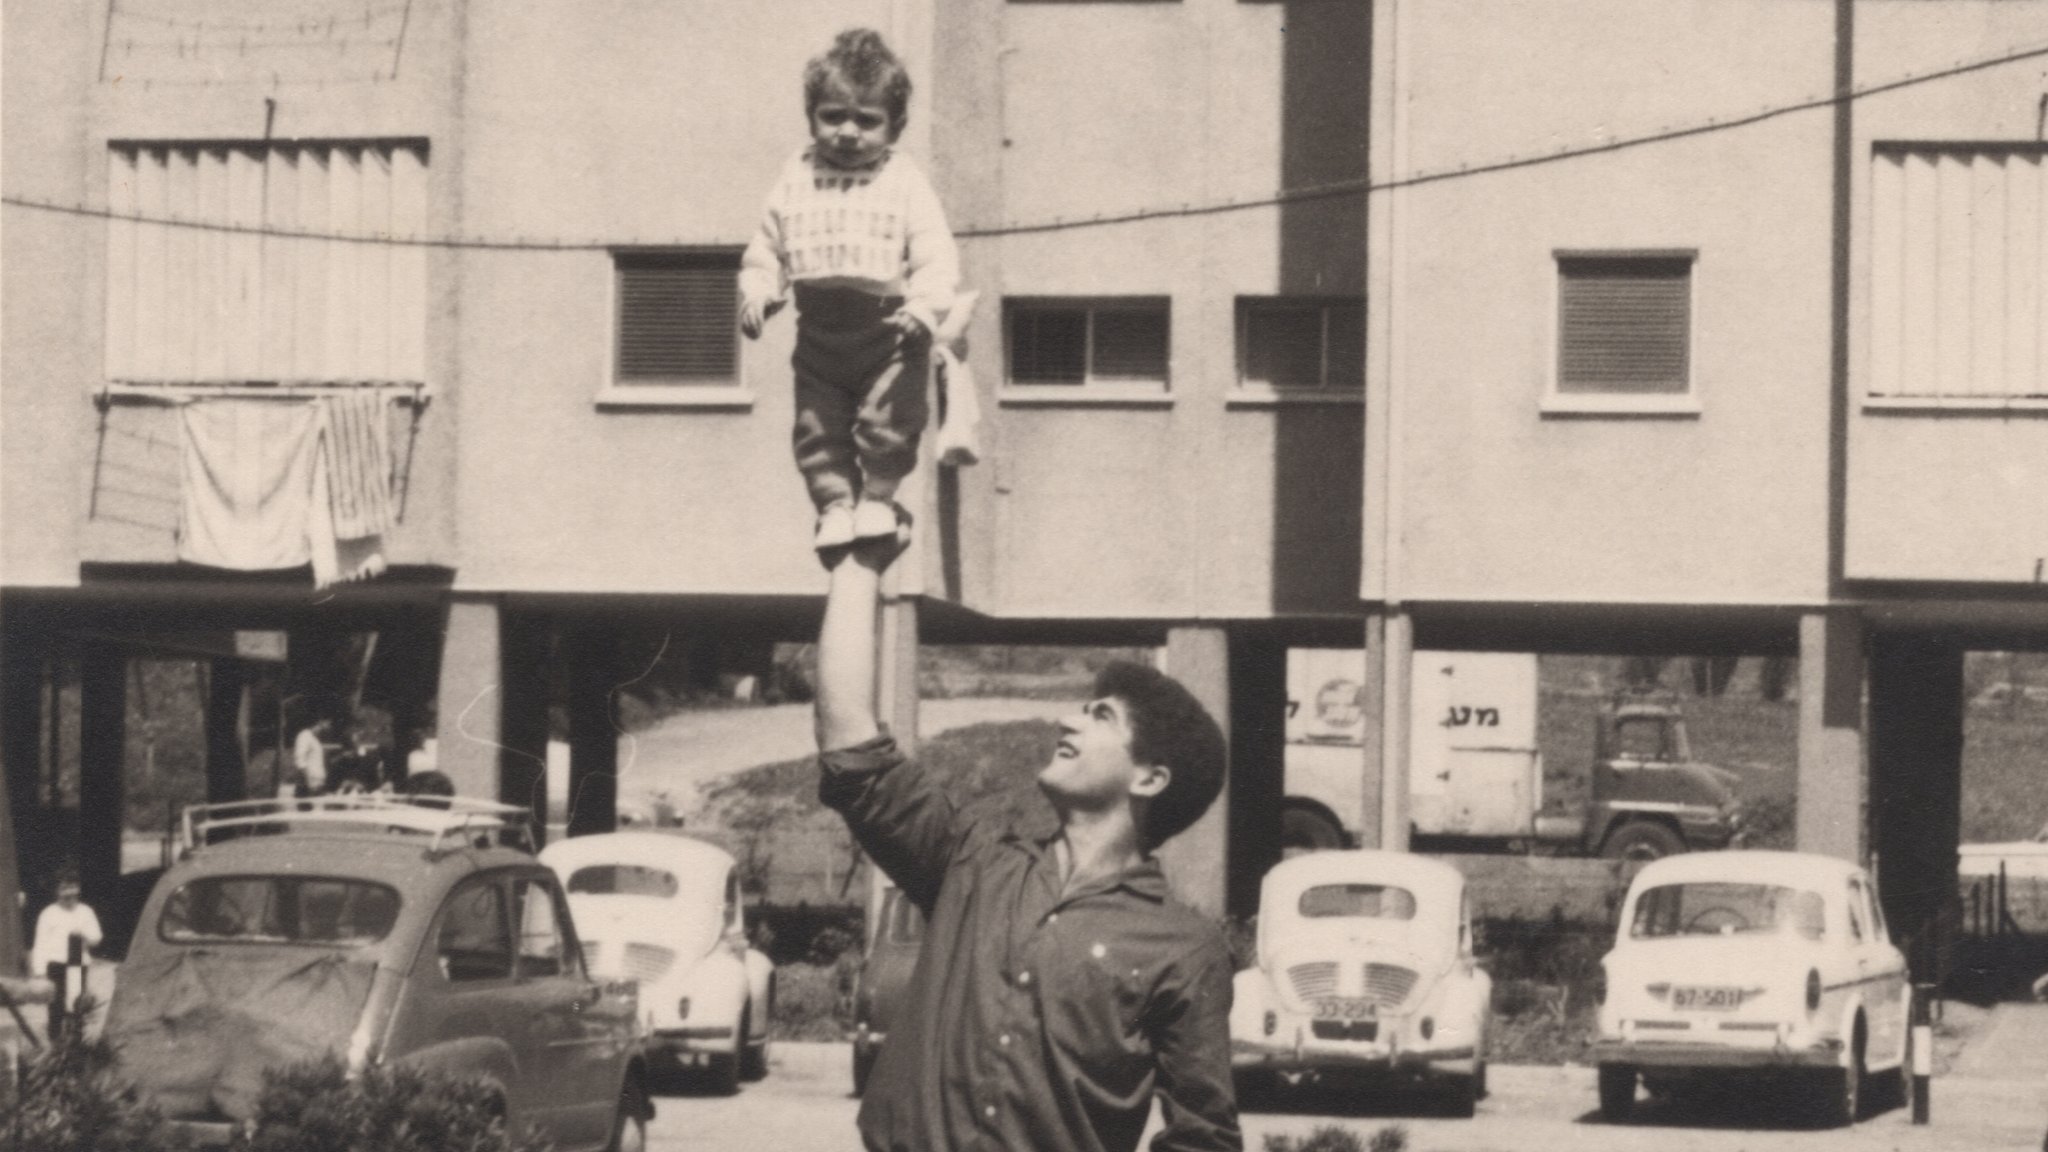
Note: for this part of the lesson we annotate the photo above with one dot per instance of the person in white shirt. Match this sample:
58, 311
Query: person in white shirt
55, 926
309, 755
854, 232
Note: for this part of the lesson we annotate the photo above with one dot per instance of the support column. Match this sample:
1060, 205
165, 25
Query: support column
1365, 825
590, 658
469, 712
1916, 760
226, 771
1831, 792
1258, 756
523, 651
1199, 657
1395, 668
21, 716
103, 715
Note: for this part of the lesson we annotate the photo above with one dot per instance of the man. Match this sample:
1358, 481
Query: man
57, 924
1059, 988
309, 757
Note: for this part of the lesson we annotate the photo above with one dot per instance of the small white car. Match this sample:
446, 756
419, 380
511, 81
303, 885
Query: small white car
664, 910
1767, 965
1364, 966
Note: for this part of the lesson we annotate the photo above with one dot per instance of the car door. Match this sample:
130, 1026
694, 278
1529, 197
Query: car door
461, 994
577, 1034
1887, 988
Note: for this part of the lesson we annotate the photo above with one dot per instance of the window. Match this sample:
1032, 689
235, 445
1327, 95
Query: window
1301, 345
1624, 328
623, 880
475, 941
1374, 901
1710, 908
677, 318
279, 909
291, 283
1857, 910
1958, 274
543, 948
1088, 343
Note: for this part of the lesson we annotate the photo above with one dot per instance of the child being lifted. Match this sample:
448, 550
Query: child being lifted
854, 231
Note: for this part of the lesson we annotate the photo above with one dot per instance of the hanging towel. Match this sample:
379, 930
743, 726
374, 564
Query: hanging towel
350, 509
248, 480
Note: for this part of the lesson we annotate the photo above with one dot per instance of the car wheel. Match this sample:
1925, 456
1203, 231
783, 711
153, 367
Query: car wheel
1479, 1089
753, 1057
1461, 1096
722, 1072
1617, 1092
1839, 1091
863, 1063
629, 1122
1641, 841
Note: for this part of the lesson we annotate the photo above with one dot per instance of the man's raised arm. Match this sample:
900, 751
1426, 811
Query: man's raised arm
846, 655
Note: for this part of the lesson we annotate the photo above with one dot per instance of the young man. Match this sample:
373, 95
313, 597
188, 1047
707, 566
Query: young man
1060, 988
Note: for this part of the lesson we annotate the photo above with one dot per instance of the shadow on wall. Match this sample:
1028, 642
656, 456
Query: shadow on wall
1318, 456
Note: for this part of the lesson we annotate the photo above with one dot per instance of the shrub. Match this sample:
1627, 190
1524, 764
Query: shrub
1336, 1138
315, 1107
813, 1002
71, 1095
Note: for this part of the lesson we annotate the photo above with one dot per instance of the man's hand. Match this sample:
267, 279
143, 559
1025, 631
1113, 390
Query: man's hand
754, 315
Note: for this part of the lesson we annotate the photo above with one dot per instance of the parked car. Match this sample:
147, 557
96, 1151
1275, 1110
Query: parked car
1365, 967
884, 981
1768, 965
664, 910
373, 929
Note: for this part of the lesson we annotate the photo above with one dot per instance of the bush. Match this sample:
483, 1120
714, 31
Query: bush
315, 1107
1336, 1138
71, 1096
814, 1002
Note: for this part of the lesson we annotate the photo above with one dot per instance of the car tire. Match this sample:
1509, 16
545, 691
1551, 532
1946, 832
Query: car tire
1839, 1093
753, 1057
722, 1072
1617, 1092
863, 1064
629, 1121
1461, 1096
1479, 1089
1641, 841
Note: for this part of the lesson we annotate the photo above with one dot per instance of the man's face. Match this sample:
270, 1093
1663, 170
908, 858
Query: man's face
1091, 767
67, 895
850, 132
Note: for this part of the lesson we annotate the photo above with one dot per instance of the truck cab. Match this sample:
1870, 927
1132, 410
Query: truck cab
1649, 797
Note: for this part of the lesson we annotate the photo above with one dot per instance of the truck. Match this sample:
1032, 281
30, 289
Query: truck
1476, 774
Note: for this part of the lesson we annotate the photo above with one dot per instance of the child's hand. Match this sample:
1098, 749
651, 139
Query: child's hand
910, 327
754, 315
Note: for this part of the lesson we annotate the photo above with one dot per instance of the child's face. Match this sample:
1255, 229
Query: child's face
851, 131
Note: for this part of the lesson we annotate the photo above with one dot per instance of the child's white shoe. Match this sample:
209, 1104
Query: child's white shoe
835, 527
874, 520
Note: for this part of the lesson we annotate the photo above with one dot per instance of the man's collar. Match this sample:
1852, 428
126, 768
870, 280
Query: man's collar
1145, 878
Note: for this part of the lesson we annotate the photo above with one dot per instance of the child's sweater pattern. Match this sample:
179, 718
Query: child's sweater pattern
878, 229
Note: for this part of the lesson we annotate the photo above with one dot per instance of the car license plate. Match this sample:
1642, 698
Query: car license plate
1706, 999
1344, 1009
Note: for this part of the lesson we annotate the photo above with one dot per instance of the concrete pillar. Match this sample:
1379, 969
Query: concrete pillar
1395, 669
523, 650
21, 715
1372, 752
590, 651
1831, 819
103, 715
226, 771
1258, 753
469, 713
1195, 860
1916, 759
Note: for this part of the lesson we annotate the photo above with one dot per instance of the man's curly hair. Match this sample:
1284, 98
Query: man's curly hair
860, 60
1169, 729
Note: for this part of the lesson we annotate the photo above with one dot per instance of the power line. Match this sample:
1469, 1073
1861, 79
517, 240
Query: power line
1302, 194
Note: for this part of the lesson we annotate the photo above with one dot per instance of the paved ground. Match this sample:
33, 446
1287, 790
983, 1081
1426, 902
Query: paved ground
805, 1105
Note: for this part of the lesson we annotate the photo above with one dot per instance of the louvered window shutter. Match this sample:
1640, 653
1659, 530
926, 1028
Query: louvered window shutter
1624, 324
677, 317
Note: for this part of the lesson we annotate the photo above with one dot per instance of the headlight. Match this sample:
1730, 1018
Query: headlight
1813, 990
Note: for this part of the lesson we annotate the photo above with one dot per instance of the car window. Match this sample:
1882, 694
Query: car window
543, 945
1877, 916
622, 880
1858, 910
1374, 901
1639, 738
1723, 909
279, 910
475, 942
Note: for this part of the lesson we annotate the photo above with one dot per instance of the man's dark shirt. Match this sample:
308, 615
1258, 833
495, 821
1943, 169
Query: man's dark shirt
1036, 1020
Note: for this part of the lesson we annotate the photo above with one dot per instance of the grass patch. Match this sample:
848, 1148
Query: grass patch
1546, 978
814, 1001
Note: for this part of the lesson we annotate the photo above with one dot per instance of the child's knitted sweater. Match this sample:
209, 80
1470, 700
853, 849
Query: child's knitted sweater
878, 229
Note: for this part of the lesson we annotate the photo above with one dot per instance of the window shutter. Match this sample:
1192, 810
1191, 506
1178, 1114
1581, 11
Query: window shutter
1283, 345
1130, 343
677, 317
1624, 324
1048, 345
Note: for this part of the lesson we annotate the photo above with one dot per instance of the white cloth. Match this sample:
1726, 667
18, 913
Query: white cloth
248, 476
959, 439
350, 509
309, 756
54, 928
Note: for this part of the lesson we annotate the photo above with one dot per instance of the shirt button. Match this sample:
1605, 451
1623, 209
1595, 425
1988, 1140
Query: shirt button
1024, 978
989, 1111
1004, 1039
1053, 919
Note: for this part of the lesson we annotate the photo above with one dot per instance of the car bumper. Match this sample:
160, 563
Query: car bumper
1706, 1054
1310, 1054
691, 1045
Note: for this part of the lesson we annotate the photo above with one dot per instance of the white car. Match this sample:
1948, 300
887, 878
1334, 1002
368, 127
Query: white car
1767, 965
664, 910
1364, 966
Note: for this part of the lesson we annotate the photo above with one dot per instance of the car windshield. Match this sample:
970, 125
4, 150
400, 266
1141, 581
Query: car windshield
1724, 909
1372, 901
279, 910
623, 880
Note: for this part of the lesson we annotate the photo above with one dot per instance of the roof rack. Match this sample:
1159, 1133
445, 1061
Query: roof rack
446, 821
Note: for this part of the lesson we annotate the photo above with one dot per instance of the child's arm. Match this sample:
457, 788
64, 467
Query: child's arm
931, 260
763, 281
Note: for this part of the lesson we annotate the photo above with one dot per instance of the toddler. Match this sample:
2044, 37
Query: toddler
855, 233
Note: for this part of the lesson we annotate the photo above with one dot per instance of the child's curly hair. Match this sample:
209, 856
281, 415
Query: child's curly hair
861, 61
